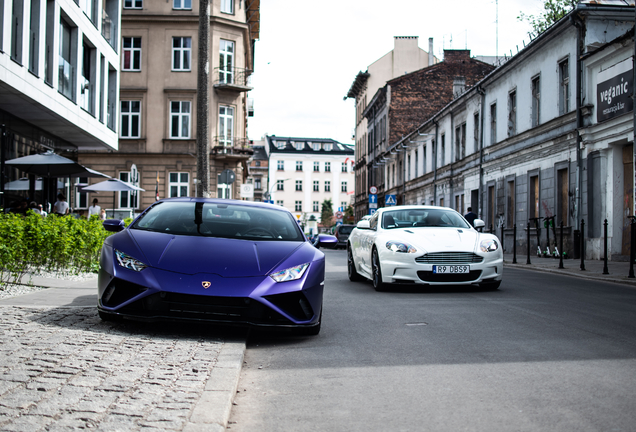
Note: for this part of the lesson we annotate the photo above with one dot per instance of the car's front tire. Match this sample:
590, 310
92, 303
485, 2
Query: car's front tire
377, 272
354, 276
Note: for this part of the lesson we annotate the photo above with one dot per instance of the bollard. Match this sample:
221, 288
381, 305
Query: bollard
605, 269
490, 231
528, 243
502, 239
582, 245
561, 250
632, 248
514, 244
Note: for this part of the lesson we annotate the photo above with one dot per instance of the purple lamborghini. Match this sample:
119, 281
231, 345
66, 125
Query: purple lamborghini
234, 262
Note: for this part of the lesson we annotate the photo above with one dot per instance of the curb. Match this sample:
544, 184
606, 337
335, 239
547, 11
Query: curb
212, 412
581, 275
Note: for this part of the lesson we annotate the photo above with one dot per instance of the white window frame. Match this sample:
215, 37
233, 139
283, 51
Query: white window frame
133, 51
280, 165
182, 4
299, 165
298, 206
344, 167
279, 203
226, 125
316, 206
227, 6
180, 183
327, 186
327, 166
183, 117
131, 198
343, 186
280, 185
316, 166
133, 4
79, 182
316, 185
226, 61
223, 190
181, 54
299, 186
130, 114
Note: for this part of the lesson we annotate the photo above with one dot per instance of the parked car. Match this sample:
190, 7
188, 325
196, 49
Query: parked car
233, 262
425, 245
341, 233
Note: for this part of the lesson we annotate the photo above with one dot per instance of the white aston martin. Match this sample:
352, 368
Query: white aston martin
423, 245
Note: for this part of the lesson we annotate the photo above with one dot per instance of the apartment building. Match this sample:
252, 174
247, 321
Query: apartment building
405, 57
304, 172
59, 81
158, 107
548, 134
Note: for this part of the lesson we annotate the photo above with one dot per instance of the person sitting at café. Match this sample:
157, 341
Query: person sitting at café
33, 206
94, 209
60, 207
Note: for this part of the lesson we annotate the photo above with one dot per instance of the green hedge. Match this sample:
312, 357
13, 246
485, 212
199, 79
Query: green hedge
33, 243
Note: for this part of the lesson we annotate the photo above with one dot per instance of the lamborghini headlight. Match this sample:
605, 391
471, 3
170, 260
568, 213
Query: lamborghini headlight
489, 245
290, 274
129, 262
397, 246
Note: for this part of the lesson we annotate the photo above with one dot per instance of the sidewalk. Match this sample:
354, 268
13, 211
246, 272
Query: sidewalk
618, 271
62, 367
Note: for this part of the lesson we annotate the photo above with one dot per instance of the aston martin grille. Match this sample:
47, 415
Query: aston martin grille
449, 258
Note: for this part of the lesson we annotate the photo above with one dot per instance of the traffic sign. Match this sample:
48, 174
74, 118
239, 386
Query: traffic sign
372, 210
373, 199
338, 215
373, 205
373, 190
390, 200
247, 190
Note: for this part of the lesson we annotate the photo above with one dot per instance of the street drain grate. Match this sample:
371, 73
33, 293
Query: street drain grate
416, 324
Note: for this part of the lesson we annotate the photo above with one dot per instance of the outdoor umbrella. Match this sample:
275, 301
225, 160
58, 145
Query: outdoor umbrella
50, 165
112, 185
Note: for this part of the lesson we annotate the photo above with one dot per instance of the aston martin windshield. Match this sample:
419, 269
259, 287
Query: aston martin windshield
423, 218
220, 220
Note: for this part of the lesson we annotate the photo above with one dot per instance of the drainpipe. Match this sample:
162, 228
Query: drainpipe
577, 22
434, 149
453, 157
482, 92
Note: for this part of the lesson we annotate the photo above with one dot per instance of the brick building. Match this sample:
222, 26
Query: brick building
399, 107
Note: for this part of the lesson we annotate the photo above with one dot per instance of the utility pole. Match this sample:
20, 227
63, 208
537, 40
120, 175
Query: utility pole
203, 102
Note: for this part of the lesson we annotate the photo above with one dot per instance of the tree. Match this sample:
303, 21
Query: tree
349, 215
326, 213
554, 10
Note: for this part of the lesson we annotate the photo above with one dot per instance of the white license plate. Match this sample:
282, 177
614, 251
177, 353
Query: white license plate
451, 269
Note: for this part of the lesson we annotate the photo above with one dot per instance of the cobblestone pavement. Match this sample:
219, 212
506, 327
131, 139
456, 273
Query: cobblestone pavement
62, 368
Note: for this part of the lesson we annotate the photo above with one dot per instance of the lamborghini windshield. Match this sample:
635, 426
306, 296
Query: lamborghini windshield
423, 218
220, 220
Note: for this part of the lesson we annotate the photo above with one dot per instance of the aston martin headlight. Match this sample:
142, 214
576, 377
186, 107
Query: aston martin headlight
290, 274
129, 262
489, 245
397, 246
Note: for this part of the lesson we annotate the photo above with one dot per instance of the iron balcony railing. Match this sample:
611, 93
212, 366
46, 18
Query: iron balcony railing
238, 78
231, 146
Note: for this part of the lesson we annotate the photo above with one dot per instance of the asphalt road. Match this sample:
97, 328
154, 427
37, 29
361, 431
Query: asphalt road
543, 353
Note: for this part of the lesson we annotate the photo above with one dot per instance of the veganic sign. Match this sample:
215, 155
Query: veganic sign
614, 90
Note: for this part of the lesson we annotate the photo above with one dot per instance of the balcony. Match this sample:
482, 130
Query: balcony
232, 79
231, 148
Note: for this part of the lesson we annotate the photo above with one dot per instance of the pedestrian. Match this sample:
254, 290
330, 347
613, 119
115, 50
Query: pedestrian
470, 216
20, 207
60, 207
42, 212
102, 214
94, 209
33, 206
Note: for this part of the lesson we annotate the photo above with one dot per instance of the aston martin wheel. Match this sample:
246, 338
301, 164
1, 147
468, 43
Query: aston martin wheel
354, 276
377, 273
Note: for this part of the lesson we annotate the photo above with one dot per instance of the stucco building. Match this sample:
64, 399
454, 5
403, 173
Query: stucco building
158, 108
548, 134
59, 82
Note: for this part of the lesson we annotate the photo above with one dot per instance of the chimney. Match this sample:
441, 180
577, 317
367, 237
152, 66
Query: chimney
459, 84
431, 58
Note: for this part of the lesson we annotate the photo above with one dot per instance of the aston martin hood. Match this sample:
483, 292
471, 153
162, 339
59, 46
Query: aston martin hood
441, 239
225, 257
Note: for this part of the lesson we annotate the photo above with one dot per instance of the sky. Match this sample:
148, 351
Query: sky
310, 52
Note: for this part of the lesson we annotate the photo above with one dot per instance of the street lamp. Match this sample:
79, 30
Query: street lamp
268, 194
